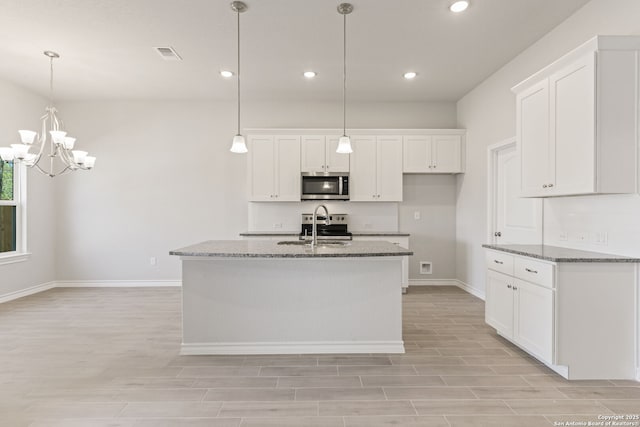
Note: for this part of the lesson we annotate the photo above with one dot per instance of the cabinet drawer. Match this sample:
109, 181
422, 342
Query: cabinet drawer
501, 262
534, 271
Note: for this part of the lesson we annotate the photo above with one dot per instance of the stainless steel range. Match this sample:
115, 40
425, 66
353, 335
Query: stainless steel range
335, 230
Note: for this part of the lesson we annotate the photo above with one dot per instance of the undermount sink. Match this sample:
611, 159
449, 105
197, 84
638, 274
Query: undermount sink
326, 243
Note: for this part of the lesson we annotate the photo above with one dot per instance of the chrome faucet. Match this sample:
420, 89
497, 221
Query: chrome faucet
314, 226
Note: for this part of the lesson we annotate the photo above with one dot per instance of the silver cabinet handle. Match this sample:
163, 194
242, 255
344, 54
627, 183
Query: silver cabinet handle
550, 185
498, 262
509, 286
544, 185
515, 289
531, 271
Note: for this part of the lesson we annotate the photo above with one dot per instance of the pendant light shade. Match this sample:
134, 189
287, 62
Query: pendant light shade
238, 145
344, 144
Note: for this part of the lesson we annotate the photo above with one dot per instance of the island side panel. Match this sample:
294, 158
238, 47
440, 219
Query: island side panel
288, 305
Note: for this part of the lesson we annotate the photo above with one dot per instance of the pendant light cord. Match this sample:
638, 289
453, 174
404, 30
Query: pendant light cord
238, 13
344, 77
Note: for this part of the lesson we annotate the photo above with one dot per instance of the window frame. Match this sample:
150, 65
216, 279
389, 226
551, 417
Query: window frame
20, 202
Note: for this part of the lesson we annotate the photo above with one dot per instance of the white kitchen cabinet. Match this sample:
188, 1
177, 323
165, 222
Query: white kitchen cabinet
274, 168
318, 154
402, 241
522, 312
376, 169
432, 154
499, 303
562, 312
577, 121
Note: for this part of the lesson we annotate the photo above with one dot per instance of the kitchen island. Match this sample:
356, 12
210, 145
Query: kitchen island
261, 297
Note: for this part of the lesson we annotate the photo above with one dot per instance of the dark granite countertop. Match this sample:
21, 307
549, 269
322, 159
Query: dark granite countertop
297, 233
270, 249
558, 254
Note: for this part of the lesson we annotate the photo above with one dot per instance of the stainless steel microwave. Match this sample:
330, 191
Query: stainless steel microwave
324, 186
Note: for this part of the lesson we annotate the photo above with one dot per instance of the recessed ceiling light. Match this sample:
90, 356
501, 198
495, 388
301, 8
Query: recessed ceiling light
226, 74
410, 75
309, 74
459, 6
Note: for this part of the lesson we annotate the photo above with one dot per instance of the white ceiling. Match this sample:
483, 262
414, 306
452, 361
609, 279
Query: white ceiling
106, 47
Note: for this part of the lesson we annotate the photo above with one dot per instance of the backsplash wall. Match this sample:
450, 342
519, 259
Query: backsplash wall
275, 217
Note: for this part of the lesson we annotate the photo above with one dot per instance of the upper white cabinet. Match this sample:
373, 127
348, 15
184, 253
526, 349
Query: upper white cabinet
318, 154
577, 121
432, 154
376, 169
274, 168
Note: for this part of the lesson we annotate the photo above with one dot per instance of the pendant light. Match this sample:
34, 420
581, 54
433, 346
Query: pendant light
239, 145
344, 143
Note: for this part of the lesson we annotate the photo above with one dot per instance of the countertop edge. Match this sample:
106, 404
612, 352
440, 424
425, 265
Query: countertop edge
354, 233
610, 258
309, 255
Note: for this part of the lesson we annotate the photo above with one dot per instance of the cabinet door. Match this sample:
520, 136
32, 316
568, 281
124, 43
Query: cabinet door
262, 163
336, 162
312, 153
572, 94
533, 139
287, 169
362, 181
533, 329
389, 169
446, 157
416, 154
499, 303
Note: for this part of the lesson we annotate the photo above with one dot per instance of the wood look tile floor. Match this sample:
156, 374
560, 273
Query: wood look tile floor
109, 357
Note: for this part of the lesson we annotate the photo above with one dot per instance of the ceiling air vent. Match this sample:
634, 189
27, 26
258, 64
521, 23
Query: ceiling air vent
168, 53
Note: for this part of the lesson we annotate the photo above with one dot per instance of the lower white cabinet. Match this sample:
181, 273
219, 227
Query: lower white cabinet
578, 318
402, 241
521, 312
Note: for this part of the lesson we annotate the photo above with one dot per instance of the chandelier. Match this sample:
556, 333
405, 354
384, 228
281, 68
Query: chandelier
54, 137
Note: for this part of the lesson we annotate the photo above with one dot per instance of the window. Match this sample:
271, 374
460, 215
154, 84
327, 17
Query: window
12, 198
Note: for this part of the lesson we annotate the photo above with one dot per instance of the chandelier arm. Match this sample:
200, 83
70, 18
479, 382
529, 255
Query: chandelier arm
66, 158
42, 171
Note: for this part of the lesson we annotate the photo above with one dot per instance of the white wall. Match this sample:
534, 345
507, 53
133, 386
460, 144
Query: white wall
21, 109
488, 114
164, 177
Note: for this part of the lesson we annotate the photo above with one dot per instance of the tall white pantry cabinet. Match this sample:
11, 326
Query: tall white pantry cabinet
577, 121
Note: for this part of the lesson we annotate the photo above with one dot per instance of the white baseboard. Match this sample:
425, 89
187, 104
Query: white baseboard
447, 282
88, 284
116, 283
470, 289
28, 291
433, 282
322, 347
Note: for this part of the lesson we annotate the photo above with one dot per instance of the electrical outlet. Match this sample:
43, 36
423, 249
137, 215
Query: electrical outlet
277, 225
600, 238
416, 215
563, 236
153, 261
581, 237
